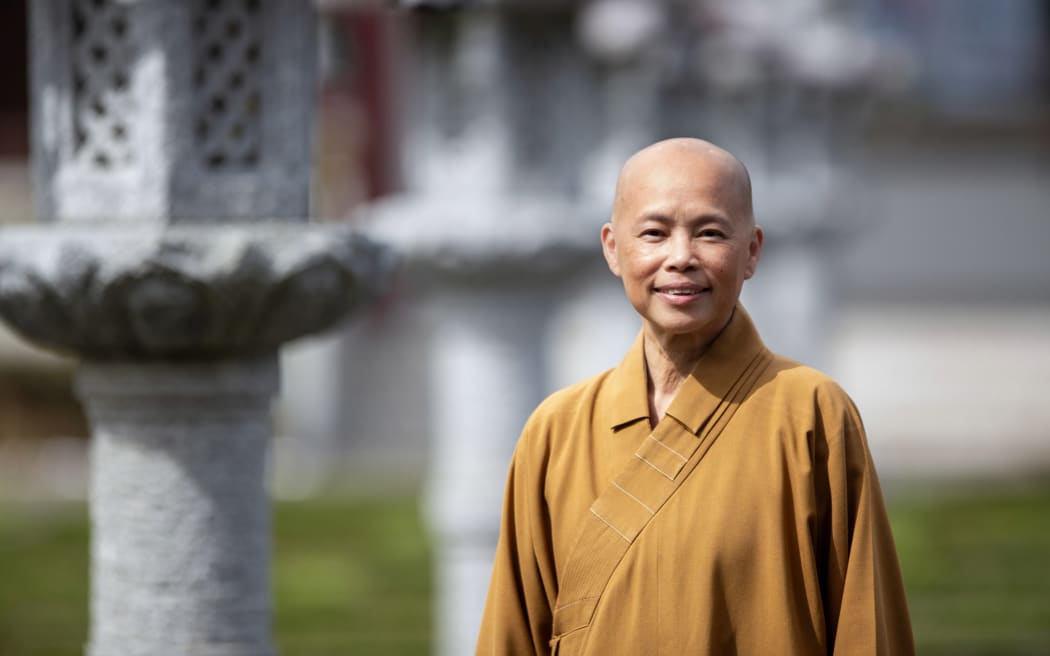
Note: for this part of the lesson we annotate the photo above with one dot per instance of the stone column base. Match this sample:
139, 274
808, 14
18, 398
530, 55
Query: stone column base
180, 547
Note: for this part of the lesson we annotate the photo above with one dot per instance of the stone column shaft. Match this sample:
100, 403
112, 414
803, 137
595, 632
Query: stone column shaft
486, 377
181, 532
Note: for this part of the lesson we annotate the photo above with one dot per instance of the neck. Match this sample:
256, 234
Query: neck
669, 360
667, 365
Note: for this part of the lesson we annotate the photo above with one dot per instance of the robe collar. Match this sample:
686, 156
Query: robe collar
701, 393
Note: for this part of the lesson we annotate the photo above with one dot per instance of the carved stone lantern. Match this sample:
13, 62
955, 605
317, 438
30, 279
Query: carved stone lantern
171, 145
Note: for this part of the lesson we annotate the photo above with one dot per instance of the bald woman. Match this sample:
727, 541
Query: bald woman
706, 496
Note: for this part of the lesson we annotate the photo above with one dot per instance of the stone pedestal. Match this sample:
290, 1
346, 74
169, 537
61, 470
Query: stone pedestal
181, 529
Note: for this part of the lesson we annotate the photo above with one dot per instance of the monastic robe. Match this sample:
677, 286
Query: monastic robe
748, 521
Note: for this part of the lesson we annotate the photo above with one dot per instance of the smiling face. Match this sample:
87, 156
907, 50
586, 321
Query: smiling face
683, 239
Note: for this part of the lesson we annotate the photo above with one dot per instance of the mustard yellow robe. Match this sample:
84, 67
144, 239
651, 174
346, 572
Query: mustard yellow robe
748, 521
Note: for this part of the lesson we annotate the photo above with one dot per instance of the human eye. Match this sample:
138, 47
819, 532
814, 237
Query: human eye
712, 233
651, 232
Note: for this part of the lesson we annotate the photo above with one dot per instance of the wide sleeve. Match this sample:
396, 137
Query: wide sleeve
517, 616
864, 603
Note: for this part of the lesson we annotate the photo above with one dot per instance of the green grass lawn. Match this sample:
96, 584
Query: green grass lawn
354, 577
351, 578
977, 569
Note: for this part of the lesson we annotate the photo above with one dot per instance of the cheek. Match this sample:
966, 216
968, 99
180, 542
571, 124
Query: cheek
726, 263
640, 260
717, 264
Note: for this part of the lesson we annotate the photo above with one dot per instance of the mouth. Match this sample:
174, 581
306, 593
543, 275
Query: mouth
682, 291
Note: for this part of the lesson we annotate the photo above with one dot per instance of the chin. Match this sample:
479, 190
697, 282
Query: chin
680, 328
703, 327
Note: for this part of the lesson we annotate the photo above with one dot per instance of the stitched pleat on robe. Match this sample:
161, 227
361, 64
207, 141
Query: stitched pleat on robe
748, 521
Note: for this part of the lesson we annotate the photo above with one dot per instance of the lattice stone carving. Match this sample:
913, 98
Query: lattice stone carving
103, 108
226, 79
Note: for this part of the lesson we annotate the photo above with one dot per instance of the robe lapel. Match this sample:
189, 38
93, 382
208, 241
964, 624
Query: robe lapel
699, 412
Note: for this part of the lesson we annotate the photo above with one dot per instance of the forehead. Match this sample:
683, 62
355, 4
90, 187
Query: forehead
681, 179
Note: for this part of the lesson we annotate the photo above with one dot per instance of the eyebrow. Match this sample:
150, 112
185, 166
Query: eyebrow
699, 218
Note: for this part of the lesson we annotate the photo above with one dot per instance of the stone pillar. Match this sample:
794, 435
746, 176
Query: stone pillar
171, 153
181, 530
486, 375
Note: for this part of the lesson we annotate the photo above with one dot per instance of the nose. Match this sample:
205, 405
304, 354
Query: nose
681, 256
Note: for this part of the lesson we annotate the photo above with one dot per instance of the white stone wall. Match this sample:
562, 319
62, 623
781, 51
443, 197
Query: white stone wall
949, 391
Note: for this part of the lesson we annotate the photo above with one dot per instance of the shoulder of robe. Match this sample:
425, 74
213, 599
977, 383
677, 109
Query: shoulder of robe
803, 389
812, 410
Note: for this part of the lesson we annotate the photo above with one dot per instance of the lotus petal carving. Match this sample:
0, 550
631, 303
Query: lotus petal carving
109, 292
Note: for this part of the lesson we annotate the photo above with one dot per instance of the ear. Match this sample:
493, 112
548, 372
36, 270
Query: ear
754, 251
609, 249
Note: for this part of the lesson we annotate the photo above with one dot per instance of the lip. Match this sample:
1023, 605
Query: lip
681, 293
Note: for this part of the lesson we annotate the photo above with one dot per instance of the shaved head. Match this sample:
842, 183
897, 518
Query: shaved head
686, 154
